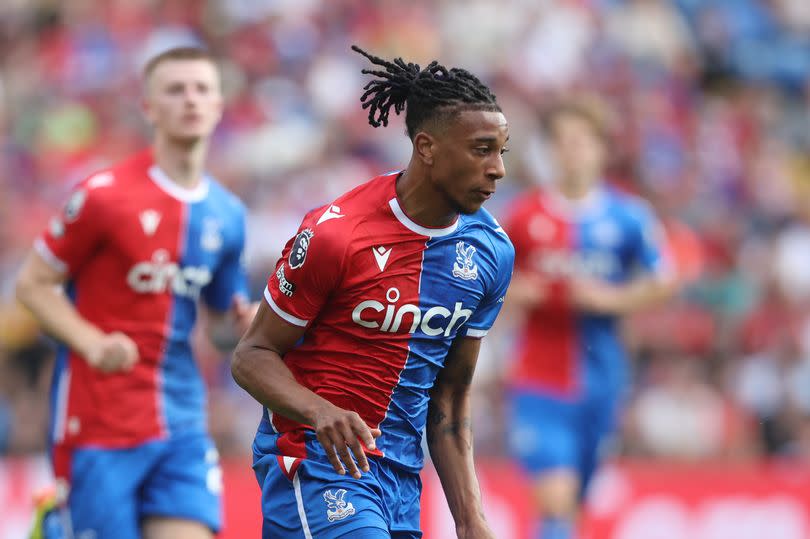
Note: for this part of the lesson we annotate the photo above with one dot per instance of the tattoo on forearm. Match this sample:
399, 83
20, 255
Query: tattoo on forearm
437, 426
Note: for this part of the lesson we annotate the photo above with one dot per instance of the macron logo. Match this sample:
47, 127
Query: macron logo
381, 255
332, 212
150, 219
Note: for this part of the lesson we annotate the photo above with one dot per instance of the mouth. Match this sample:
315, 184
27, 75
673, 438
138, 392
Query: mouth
484, 193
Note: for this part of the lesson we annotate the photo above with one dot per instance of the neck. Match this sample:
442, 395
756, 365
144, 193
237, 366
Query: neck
183, 163
421, 200
575, 188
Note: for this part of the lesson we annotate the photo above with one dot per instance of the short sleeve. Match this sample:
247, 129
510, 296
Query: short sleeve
308, 271
73, 235
649, 249
230, 277
487, 311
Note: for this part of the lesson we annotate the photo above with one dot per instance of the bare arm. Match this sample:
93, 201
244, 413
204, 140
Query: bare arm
39, 288
620, 299
225, 328
257, 367
450, 439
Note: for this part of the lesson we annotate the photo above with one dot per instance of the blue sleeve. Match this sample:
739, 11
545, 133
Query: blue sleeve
649, 242
484, 316
230, 277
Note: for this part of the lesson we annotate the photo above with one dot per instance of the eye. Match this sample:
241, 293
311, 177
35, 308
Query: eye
482, 150
504, 150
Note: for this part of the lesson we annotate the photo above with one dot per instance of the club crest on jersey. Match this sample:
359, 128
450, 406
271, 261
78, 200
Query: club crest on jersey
464, 267
211, 238
74, 205
298, 253
336, 507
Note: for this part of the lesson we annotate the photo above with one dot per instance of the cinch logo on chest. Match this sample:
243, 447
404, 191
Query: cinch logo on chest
434, 321
161, 274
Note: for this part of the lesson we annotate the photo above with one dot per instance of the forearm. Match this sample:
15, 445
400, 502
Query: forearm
640, 294
57, 315
620, 299
262, 373
450, 441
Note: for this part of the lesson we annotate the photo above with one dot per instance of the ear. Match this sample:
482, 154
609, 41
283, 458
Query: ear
147, 111
423, 146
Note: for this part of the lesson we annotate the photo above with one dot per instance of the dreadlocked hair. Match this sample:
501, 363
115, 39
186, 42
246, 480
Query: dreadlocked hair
427, 92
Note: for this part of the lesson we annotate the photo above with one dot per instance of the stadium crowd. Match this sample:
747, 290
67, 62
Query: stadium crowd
711, 123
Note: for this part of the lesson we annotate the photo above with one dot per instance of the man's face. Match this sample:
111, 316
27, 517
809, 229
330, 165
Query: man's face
183, 99
578, 150
468, 158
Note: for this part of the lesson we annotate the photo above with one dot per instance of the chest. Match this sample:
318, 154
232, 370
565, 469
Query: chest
166, 245
601, 246
414, 285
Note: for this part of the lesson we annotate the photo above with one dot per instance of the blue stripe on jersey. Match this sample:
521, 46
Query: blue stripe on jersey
181, 386
407, 411
60, 367
609, 244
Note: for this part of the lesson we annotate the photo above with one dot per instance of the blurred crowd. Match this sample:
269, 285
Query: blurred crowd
711, 123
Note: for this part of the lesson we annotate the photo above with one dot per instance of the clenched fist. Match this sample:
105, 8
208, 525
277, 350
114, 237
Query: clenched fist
112, 352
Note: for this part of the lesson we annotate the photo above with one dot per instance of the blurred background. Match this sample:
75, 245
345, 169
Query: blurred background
711, 100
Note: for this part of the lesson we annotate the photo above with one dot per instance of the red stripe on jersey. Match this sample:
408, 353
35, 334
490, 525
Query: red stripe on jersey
547, 355
121, 409
359, 301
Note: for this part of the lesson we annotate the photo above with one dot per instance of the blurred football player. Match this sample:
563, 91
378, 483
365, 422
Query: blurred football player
373, 320
139, 248
585, 254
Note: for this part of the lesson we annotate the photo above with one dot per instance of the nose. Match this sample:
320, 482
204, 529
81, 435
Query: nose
496, 169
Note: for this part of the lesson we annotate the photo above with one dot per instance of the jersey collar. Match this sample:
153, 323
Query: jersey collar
592, 205
175, 190
419, 229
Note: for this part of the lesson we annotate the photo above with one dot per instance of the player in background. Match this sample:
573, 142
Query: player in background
118, 278
373, 320
585, 254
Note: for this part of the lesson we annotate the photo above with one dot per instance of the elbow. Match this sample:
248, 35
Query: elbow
240, 364
23, 290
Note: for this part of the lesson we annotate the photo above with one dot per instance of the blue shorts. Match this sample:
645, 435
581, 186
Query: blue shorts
113, 490
306, 498
549, 433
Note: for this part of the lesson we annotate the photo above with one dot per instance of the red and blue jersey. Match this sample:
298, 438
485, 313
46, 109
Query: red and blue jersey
382, 298
608, 236
139, 251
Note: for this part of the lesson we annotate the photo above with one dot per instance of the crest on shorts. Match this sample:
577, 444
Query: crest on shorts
464, 267
298, 253
336, 507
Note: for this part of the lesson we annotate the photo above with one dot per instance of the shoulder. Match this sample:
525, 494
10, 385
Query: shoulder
339, 218
629, 207
488, 230
225, 200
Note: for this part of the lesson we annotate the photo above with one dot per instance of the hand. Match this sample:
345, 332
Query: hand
339, 430
594, 296
528, 290
478, 530
112, 352
243, 313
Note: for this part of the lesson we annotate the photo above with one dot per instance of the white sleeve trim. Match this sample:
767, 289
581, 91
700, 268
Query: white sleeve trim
478, 333
279, 311
47, 255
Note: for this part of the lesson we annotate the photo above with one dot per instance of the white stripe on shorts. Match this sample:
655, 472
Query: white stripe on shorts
299, 500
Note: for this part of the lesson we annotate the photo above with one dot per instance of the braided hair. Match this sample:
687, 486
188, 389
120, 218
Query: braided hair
428, 93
